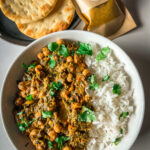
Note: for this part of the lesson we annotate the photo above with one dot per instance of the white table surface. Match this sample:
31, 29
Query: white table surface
136, 44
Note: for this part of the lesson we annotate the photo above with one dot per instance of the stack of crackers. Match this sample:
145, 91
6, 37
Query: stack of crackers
36, 18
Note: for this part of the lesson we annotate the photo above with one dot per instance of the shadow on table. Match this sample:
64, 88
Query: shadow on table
144, 70
143, 66
141, 63
133, 6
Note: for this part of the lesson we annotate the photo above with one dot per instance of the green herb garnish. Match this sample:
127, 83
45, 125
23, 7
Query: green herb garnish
121, 131
117, 140
60, 140
32, 66
26, 67
20, 113
50, 144
29, 78
103, 53
105, 78
116, 89
52, 93
29, 97
52, 62
57, 85
87, 115
84, 49
22, 120
93, 85
124, 115
30, 122
22, 126
46, 114
53, 46
54, 87
63, 51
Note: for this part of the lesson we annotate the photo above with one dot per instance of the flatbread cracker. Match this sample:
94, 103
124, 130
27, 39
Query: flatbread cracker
26, 11
59, 19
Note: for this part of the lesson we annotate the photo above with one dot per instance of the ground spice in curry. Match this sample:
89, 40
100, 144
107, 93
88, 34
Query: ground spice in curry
52, 96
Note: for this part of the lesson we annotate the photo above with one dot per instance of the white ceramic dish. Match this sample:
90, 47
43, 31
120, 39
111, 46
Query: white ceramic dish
15, 73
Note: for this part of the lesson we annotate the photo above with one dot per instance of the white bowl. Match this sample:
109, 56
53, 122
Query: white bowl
10, 86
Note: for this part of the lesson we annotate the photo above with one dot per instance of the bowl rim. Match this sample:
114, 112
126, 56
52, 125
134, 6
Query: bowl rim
71, 32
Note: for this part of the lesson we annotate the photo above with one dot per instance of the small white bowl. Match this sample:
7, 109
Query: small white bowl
15, 73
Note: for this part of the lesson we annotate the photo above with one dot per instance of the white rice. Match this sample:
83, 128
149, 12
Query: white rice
108, 106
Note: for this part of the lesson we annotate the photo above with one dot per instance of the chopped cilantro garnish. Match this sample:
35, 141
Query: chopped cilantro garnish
103, 53
57, 85
46, 114
121, 131
52, 62
54, 87
87, 115
63, 51
105, 78
100, 56
28, 78
26, 67
29, 97
117, 140
30, 122
116, 89
93, 85
50, 144
84, 49
52, 93
21, 126
20, 113
32, 66
124, 115
53, 46
105, 50
21, 118
60, 140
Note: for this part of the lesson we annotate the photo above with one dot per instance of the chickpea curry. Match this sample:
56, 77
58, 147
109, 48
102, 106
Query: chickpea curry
53, 108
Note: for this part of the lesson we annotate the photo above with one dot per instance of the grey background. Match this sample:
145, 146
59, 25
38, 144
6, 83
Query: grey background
136, 44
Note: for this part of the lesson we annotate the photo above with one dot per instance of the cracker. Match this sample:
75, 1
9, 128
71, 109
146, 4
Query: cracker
26, 11
59, 19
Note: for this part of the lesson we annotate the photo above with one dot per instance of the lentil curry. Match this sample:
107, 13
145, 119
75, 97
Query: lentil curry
52, 107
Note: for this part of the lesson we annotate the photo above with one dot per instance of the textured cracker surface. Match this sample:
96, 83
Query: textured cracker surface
59, 19
26, 11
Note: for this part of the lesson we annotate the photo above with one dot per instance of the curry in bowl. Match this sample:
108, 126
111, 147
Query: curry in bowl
60, 104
